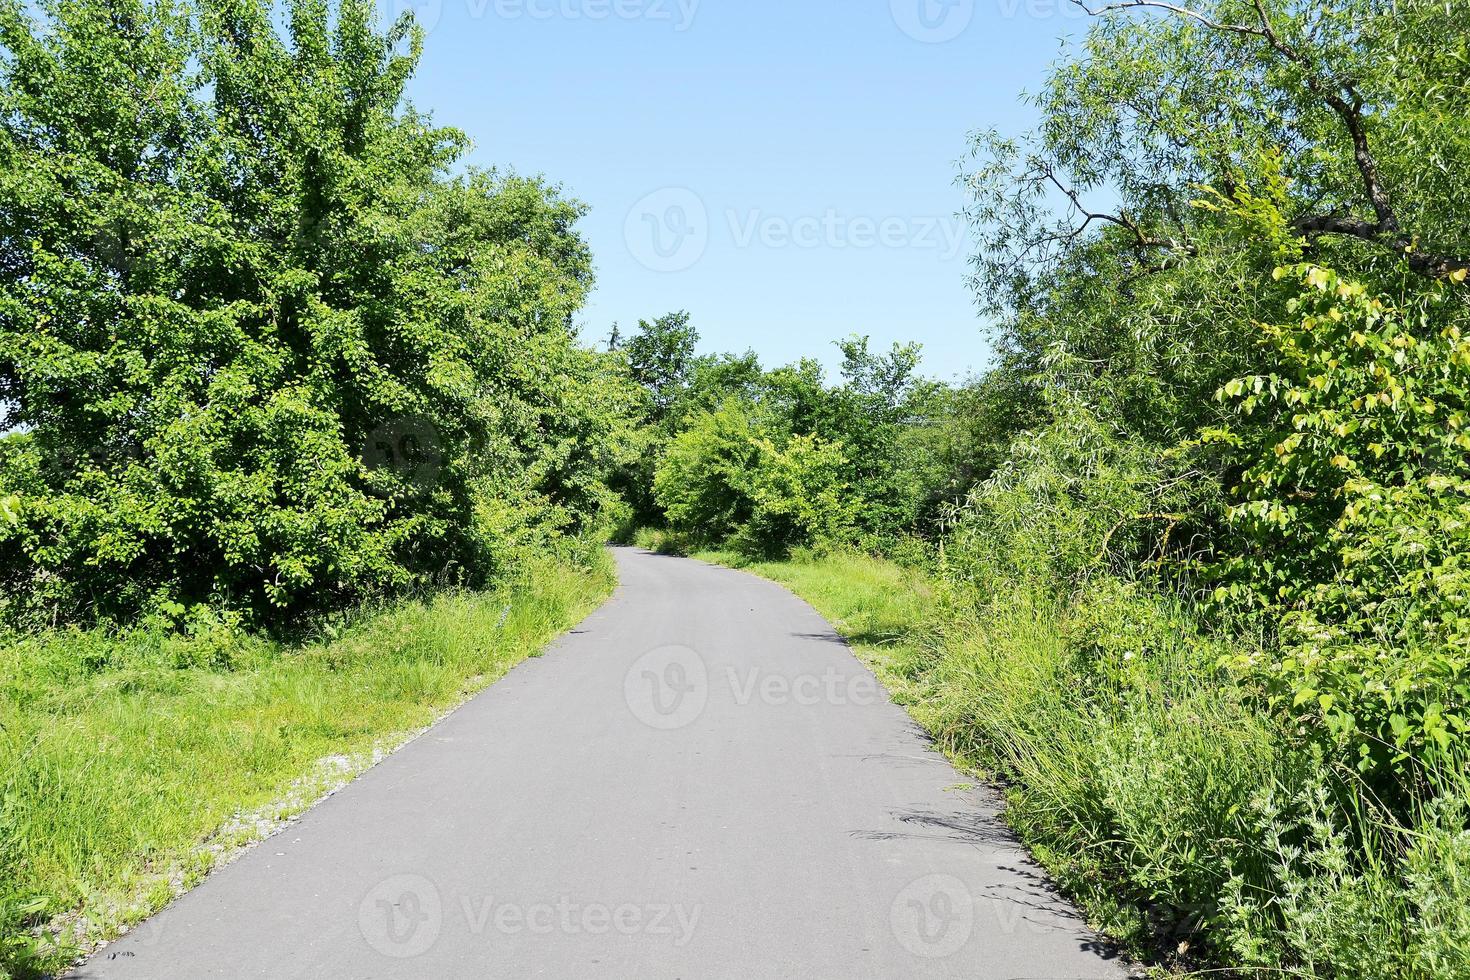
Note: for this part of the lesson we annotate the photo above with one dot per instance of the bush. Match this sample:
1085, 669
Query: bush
1144, 766
796, 495
730, 475
1181, 816
699, 482
1355, 493
1075, 497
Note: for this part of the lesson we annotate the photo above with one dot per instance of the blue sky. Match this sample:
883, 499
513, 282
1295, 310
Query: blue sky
784, 171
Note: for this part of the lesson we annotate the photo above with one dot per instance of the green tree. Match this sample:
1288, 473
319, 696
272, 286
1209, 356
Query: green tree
270, 355
797, 495
736, 475
1187, 164
661, 359
701, 479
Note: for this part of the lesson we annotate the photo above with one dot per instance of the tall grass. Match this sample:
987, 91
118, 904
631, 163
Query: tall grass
130, 764
1188, 823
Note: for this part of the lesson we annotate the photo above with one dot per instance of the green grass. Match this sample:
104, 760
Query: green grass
1187, 824
130, 765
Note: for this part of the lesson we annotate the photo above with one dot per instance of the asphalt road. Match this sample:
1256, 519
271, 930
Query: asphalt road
700, 781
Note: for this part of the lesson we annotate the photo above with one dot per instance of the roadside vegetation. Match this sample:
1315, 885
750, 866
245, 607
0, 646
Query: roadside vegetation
301, 449
135, 761
1185, 570
266, 349
303, 446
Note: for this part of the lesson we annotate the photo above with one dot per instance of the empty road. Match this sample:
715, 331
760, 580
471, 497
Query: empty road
700, 781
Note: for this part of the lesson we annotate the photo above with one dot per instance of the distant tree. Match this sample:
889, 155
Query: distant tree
661, 359
884, 380
718, 377
700, 482
735, 475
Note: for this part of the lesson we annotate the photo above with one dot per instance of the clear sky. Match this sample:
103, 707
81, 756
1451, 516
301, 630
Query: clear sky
783, 170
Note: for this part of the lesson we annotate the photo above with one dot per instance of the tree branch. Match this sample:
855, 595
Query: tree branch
1425, 263
1160, 5
1341, 97
1121, 219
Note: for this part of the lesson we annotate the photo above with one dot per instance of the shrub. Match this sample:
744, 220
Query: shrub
1355, 492
700, 481
1074, 497
796, 493
732, 475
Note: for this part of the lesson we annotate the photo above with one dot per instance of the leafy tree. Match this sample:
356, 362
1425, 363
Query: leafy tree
1228, 272
701, 479
271, 357
867, 435
881, 403
1191, 167
964, 436
735, 475
797, 495
661, 359
884, 381
1206, 94
716, 378
1095, 254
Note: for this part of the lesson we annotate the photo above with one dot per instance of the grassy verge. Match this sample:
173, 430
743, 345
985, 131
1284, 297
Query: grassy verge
1187, 824
130, 765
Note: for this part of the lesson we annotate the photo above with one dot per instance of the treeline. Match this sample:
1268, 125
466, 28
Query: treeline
769, 459
1202, 532
264, 351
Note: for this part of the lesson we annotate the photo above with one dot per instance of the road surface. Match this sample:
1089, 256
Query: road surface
700, 781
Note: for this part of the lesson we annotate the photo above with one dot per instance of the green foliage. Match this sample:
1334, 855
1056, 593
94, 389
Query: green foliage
270, 356
1072, 499
1355, 493
1359, 99
797, 494
661, 358
1229, 271
731, 475
700, 482
1294, 428
810, 460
